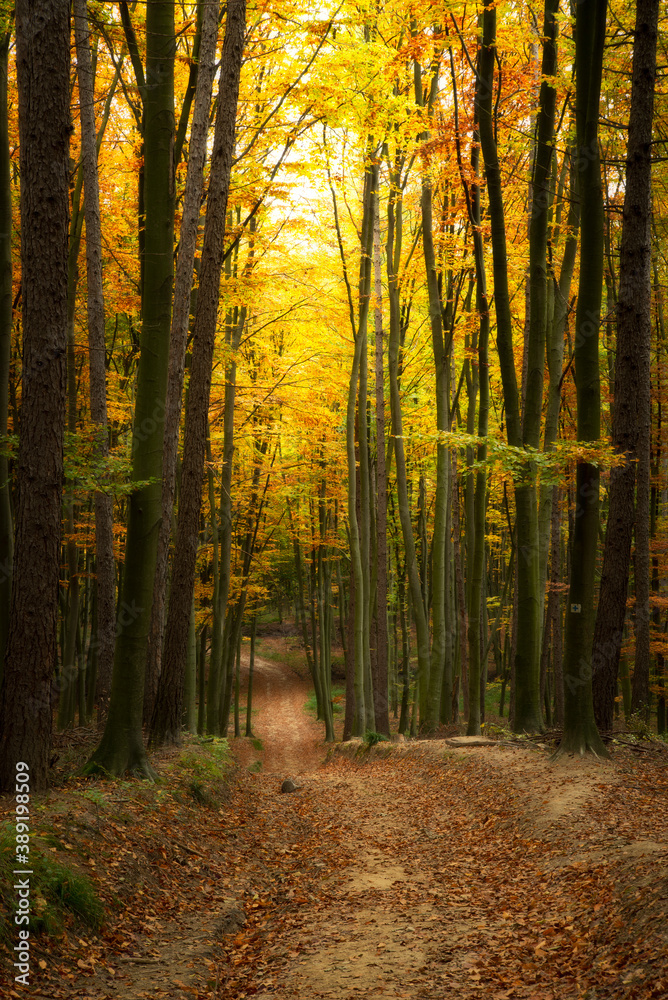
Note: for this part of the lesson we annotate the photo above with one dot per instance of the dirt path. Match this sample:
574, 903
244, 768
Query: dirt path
412, 870
422, 872
291, 741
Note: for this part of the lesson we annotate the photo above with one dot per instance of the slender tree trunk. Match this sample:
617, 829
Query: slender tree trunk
460, 599
216, 679
394, 234
6, 524
251, 670
165, 724
526, 680
528, 715
179, 333
122, 747
42, 58
480, 501
380, 680
430, 691
104, 520
580, 732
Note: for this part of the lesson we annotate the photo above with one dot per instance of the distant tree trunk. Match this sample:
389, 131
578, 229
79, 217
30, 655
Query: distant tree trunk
251, 670
6, 526
122, 746
394, 236
183, 283
301, 611
549, 517
380, 688
349, 717
580, 732
358, 328
430, 698
526, 666
216, 680
166, 721
104, 523
530, 597
43, 51
477, 682
460, 602
631, 418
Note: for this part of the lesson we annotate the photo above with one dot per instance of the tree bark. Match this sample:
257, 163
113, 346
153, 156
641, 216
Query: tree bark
42, 41
526, 679
183, 283
631, 408
380, 680
580, 733
394, 233
6, 523
122, 747
166, 721
104, 525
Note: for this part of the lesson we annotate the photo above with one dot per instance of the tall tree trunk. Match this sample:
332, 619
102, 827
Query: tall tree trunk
580, 732
183, 283
380, 680
42, 42
166, 721
394, 235
480, 503
430, 697
526, 686
105, 635
528, 714
631, 407
122, 747
358, 325
6, 525
550, 519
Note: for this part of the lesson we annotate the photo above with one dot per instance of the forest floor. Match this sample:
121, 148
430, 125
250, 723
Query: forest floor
412, 869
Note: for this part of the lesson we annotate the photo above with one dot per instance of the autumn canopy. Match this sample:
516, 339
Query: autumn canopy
348, 316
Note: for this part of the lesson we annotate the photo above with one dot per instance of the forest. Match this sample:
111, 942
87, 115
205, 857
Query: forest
352, 316
333, 500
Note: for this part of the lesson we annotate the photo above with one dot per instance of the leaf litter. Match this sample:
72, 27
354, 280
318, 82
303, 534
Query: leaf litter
404, 870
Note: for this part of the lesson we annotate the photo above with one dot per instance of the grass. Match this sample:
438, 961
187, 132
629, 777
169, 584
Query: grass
338, 700
56, 890
492, 697
204, 777
293, 658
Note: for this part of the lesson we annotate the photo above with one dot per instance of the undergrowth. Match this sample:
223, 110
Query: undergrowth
204, 776
57, 891
338, 700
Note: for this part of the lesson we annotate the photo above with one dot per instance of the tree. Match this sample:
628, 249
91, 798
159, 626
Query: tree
204, 65
6, 522
122, 747
166, 722
631, 420
580, 733
104, 521
42, 40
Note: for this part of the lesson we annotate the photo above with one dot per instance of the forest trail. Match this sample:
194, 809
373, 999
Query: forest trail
410, 870
422, 871
291, 741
